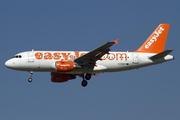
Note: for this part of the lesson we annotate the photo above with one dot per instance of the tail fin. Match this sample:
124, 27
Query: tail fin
156, 41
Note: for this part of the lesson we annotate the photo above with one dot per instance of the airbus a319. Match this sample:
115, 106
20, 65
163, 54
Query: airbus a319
66, 65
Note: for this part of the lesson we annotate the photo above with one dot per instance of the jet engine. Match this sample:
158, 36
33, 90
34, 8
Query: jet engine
64, 66
58, 77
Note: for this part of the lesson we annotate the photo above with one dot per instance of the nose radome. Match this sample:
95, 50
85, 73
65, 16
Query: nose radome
7, 64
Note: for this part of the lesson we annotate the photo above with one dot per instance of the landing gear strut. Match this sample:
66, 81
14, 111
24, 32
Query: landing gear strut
30, 74
84, 82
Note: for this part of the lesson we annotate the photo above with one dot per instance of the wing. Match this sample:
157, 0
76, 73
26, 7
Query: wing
88, 60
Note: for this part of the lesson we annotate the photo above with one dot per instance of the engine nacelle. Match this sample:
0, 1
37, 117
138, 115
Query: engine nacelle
63, 66
58, 77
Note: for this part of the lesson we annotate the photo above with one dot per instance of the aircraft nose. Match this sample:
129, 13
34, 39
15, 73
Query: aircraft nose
7, 63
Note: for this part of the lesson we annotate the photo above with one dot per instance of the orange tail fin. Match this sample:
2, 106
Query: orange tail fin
156, 41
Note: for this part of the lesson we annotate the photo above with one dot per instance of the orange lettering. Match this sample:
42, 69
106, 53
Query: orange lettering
121, 54
66, 55
47, 56
82, 54
76, 54
56, 56
103, 57
38, 55
72, 57
110, 57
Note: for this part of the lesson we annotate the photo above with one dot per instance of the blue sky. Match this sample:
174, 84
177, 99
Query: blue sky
147, 93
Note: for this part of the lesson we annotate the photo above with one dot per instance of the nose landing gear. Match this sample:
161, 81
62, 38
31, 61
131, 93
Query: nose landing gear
30, 74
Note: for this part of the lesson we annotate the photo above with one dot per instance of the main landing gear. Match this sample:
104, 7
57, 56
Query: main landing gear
84, 83
30, 74
87, 77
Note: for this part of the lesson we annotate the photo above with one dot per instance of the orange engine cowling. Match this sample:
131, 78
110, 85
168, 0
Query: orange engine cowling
58, 77
64, 66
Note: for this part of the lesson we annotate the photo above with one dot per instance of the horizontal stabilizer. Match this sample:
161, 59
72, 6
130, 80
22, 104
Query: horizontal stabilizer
161, 55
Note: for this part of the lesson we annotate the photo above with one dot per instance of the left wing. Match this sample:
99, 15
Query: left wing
88, 60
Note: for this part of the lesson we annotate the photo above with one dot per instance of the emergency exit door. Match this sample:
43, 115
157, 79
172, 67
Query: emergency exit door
135, 58
31, 56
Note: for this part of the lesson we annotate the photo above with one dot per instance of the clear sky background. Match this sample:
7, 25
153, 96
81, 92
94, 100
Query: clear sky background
150, 93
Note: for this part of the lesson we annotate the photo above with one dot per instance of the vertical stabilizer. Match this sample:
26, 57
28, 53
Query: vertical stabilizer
156, 41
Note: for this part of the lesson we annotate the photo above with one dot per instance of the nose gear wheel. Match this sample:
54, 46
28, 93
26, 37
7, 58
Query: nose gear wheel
30, 74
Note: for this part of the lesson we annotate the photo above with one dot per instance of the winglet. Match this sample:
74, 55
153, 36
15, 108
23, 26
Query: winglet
116, 41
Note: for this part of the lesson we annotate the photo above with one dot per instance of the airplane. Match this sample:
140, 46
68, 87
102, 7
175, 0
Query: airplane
66, 65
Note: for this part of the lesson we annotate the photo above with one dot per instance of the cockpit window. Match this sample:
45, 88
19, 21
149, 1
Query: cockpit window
17, 56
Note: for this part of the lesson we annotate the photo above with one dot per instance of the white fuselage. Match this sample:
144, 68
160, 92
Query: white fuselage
44, 61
